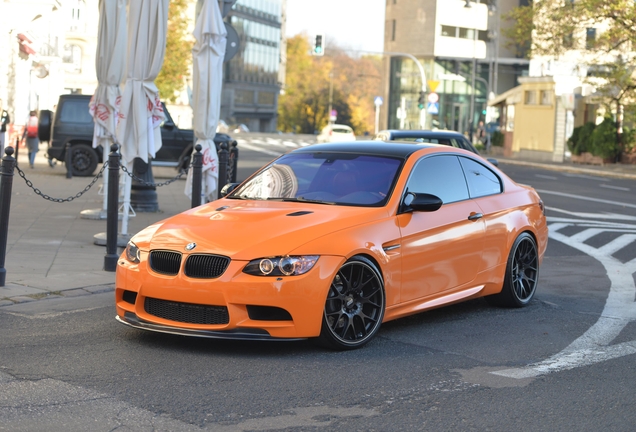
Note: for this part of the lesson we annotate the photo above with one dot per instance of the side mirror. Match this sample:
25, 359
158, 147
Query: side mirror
421, 202
228, 188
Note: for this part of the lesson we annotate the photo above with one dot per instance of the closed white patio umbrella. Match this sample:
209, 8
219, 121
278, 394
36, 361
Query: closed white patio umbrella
110, 65
207, 57
141, 111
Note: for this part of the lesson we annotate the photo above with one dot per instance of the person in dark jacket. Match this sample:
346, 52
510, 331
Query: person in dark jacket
31, 135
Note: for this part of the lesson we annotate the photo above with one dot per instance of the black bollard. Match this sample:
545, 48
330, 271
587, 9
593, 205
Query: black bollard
234, 155
197, 165
223, 159
68, 161
112, 210
6, 183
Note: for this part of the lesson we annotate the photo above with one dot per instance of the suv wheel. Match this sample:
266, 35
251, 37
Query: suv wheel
84, 160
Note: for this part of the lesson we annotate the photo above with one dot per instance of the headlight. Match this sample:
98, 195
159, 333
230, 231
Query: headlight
281, 266
132, 252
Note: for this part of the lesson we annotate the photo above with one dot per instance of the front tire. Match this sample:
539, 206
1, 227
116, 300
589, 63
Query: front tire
522, 274
354, 307
84, 160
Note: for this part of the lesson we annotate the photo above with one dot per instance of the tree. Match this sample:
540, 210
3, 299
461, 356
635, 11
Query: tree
355, 81
176, 63
604, 31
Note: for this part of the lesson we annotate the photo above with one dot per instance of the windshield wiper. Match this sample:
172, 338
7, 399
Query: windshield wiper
302, 199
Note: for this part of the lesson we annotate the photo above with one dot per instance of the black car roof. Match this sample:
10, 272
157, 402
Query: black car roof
398, 133
377, 148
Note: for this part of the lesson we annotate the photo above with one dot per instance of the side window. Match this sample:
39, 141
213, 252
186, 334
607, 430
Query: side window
75, 111
441, 176
481, 180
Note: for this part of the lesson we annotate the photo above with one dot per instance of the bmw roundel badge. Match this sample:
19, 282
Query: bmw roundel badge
190, 246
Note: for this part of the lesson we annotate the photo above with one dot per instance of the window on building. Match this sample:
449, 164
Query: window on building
466, 33
449, 31
546, 97
530, 97
590, 38
393, 25
266, 98
244, 97
72, 58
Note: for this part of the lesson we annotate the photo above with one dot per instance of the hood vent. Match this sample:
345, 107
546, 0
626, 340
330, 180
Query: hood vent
300, 213
222, 208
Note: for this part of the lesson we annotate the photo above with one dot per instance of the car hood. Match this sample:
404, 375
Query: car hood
252, 229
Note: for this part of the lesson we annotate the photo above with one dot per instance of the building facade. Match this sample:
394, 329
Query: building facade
459, 46
48, 50
253, 77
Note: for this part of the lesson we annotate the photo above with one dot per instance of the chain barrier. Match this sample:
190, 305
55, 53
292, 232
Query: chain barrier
37, 191
146, 183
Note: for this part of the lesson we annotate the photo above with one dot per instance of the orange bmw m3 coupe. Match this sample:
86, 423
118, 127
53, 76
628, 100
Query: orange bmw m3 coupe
331, 240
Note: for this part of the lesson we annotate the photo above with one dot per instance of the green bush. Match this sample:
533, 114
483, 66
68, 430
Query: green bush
603, 140
497, 139
579, 142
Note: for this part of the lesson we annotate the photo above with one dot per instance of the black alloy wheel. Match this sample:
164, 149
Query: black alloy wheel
84, 160
522, 274
355, 304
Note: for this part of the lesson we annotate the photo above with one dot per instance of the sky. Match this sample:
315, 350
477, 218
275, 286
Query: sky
353, 24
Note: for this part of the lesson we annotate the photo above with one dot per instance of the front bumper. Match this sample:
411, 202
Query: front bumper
301, 297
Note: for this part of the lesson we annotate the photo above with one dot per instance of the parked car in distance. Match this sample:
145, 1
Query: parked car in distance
222, 127
449, 138
336, 133
240, 128
331, 240
73, 124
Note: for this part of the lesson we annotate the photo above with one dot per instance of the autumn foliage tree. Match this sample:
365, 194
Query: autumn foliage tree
601, 33
304, 106
176, 63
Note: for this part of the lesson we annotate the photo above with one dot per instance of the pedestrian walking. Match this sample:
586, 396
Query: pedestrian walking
31, 135
4, 124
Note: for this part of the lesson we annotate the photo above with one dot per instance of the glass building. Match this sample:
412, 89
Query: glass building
251, 78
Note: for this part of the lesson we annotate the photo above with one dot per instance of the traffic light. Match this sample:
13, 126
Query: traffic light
422, 100
318, 48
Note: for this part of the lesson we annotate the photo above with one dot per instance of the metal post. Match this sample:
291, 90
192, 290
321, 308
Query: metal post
234, 157
197, 165
6, 183
223, 157
110, 259
68, 161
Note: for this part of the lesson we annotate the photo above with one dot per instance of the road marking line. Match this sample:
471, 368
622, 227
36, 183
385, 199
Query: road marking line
584, 198
546, 177
615, 187
620, 309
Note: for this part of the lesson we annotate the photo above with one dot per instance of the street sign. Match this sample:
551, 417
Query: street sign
433, 108
433, 97
432, 85
377, 101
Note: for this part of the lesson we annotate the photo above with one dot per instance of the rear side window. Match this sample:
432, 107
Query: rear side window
481, 180
75, 111
441, 176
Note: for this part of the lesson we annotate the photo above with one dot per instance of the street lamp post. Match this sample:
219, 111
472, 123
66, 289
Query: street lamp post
471, 112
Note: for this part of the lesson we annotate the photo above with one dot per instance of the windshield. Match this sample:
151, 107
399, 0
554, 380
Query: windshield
340, 178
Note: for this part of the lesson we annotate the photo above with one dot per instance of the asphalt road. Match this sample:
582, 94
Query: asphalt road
566, 362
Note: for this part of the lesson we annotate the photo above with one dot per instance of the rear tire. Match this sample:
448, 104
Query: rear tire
84, 160
354, 307
522, 274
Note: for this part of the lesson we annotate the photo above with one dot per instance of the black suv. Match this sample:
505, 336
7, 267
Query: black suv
72, 123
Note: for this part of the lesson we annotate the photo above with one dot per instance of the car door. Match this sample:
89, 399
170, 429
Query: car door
441, 250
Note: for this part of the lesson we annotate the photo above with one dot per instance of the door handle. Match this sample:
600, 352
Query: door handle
475, 216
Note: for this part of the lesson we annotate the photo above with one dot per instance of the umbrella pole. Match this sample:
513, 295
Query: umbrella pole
105, 181
126, 207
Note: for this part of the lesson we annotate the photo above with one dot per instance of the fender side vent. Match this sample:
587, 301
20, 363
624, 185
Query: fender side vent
300, 213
